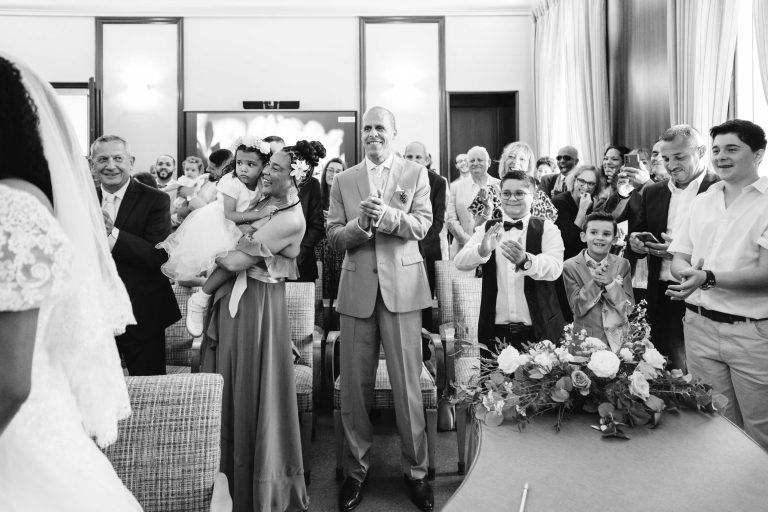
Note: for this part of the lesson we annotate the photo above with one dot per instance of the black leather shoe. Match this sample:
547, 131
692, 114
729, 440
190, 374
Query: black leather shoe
351, 494
421, 493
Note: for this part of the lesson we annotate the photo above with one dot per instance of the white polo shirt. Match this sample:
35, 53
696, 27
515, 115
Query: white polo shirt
727, 239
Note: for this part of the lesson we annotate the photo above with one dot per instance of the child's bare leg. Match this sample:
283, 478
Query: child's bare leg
218, 277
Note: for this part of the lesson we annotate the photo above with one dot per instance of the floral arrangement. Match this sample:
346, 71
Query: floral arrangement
630, 386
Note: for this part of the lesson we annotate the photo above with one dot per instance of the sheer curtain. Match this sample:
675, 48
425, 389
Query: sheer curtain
760, 13
571, 77
701, 41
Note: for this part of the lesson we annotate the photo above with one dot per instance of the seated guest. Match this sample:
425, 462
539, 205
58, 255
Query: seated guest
599, 284
520, 256
461, 222
567, 160
573, 206
721, 258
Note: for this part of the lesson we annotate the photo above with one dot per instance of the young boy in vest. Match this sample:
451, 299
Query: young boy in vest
521, 256
599, 284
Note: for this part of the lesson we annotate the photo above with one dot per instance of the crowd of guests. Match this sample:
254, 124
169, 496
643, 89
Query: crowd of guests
544, 235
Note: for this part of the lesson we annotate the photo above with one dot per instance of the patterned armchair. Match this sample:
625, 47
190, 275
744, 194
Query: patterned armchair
182, 351
383, 397
167, 452
306, 339
461, 349
445, 273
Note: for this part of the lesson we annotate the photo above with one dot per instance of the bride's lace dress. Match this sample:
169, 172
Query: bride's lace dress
48, 461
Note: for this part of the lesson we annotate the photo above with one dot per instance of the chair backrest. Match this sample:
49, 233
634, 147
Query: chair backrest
167, 451
300, 299
466, 313
178, 342
445, 273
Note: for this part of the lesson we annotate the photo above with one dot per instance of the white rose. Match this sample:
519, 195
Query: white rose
509, 360
638, 386
524, 359
544, 362
591, 344
604, 363
648, 371
654, 358
563, 355
626, 355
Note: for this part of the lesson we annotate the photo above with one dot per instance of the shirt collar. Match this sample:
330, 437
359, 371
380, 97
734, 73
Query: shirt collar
761, 185
120, 193
589, 258
386, 164
507, 218
696, 183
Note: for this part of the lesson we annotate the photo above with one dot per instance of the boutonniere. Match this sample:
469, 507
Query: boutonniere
401, 193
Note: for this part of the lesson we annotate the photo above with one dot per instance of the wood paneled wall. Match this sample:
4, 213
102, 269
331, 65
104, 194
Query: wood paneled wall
637, 70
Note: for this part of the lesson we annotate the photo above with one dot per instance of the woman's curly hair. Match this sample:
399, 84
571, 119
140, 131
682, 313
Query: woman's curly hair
20, 143
311, 152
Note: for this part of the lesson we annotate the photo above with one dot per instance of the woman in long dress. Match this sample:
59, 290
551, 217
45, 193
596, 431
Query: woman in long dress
61, 303
250, 345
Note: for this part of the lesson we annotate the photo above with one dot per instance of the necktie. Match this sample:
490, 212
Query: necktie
509, 225
109, 205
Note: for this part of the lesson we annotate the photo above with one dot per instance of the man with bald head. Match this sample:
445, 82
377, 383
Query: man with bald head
567, 160
379, 211
430, 247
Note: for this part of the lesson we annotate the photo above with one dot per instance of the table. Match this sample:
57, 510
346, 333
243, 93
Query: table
691, 461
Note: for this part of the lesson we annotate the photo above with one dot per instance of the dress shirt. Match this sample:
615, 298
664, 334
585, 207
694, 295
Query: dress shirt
679, 206
462, 193
112, 238
727, 239
559, 185
511, 305
378, 174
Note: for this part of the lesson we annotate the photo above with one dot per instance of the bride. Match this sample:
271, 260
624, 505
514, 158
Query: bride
61, 303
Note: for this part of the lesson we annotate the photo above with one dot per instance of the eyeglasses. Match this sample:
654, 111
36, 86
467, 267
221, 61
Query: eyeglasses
590, 184
563, 157
517, 194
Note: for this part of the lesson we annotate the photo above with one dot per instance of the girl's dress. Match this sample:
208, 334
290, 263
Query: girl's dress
206, 234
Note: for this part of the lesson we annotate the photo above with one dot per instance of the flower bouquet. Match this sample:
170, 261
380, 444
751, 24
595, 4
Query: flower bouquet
630, 386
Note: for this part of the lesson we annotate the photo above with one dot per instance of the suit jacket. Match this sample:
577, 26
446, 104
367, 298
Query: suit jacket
594, 308
651, 216
567, 210
547, 183
144, 220
389, 258
430, 245
311, 205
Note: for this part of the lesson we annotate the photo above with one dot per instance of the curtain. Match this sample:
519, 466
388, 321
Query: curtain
760, 15
701, 45
571, 77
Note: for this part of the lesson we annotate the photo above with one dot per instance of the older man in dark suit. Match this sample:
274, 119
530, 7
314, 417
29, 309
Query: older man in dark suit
662, 208
137, 218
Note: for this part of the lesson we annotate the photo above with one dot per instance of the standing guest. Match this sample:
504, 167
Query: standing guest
218, 162
379, 211
721, 257
145, 178
462, 166
430, 246
312, 206
518, 156
664, 207
165, 166
567, 159
137, 218
330, 257
249, 343
187, 186
61, 301
599, 284
545, 166
153, 172
658, 171
461, 222
521, 256
275, 143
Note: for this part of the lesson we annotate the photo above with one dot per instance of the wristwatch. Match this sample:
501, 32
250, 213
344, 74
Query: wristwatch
525, 264
710, 282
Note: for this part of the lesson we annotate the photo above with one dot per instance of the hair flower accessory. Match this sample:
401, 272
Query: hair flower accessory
300, 168
250, 141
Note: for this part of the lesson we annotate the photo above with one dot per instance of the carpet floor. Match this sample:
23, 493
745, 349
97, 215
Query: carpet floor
385, 490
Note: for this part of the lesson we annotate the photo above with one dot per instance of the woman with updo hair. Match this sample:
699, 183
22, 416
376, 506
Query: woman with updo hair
249, 342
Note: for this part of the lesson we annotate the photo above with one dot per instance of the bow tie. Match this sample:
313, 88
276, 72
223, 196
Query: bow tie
509, 225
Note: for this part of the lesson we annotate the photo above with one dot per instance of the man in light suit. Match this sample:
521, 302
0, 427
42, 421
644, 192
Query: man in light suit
379, 211
137, 218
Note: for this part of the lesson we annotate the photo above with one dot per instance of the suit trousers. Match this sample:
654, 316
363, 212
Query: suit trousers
733, 358
144, 355
667, 327
400, 335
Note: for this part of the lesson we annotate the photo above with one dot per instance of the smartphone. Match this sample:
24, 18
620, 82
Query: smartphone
647, 237
632, 161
